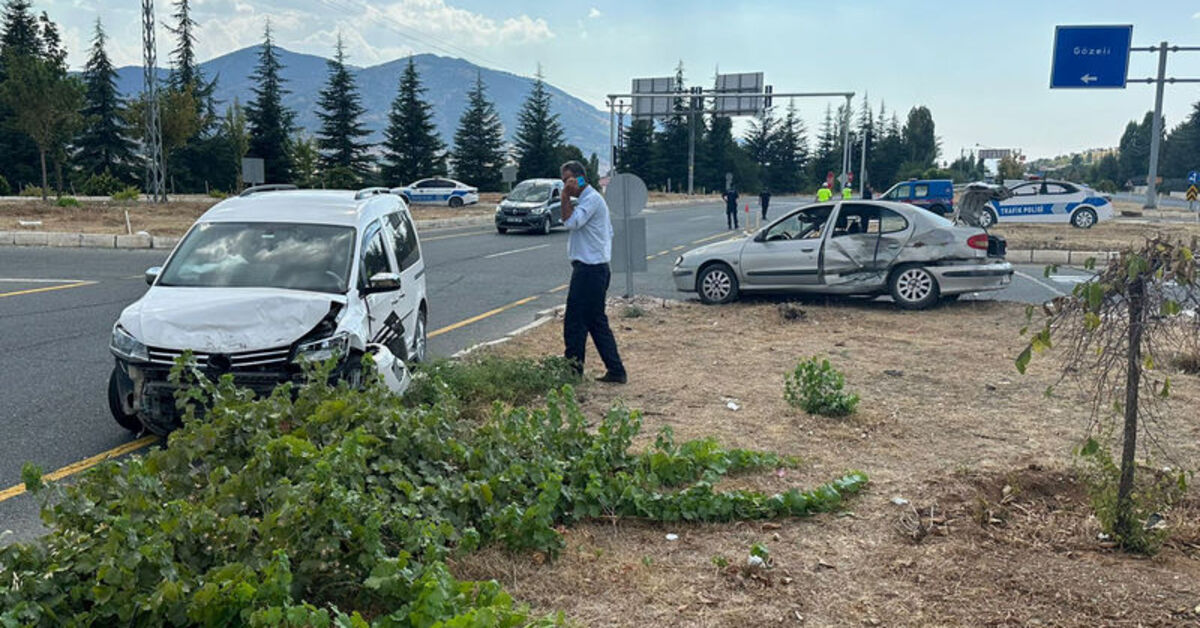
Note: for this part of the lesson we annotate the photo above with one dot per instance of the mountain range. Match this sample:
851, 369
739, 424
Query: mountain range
446, 80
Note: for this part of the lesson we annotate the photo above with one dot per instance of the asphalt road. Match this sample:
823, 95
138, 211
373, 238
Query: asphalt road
57, 307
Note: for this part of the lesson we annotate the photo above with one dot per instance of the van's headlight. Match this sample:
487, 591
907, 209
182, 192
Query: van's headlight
125, 345
541, 209
321, 350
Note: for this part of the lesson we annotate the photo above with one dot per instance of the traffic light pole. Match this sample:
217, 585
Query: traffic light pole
1156, 132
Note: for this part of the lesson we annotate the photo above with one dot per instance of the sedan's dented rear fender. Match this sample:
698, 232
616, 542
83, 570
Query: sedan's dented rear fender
958, 278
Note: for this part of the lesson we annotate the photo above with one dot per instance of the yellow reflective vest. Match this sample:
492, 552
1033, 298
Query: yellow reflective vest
824, 194
847, 193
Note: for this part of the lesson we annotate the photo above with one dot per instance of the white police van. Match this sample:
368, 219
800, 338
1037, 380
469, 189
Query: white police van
1050, 201
267, 281
439, 191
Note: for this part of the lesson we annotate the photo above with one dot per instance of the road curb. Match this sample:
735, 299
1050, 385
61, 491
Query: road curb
1062, 257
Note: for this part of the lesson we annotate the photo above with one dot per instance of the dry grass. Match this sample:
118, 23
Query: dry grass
1106, 236
172, 219
945, 422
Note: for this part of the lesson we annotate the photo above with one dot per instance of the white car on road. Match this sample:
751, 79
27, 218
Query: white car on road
1050, 201
439, 191
266, 282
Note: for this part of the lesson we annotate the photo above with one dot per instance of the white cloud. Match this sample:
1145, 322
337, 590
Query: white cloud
594, 13
1196, 16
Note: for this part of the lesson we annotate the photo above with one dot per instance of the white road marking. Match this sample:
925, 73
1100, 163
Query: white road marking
514, 251
1041, 283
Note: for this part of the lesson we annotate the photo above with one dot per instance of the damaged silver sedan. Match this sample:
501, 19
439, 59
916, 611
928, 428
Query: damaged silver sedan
851, 248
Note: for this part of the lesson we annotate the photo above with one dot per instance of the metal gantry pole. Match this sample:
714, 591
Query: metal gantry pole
154, 149
691, 148
612, 146
846, 143
862, 168
1156, 129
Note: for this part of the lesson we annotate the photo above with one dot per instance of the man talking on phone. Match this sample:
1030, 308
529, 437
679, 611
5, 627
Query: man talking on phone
585, 214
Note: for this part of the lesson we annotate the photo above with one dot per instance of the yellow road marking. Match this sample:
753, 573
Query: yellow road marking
712, 237
679, 248
558, 289
476, 319
46, 289
82, 465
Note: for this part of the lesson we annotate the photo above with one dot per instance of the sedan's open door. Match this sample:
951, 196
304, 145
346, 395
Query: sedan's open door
865, 242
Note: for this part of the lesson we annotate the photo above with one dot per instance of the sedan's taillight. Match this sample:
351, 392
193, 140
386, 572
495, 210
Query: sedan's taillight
978, 242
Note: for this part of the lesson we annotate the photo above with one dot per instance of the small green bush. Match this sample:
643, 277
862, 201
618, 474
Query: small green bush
5, 188
817, 388
31, 190
103, 184
1106, 186
1153, 493
474, 384
632, 311
67, 201
130, 193
218, 194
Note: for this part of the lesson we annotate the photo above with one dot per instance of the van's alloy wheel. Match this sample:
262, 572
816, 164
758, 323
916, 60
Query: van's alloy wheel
419, 338
120, 405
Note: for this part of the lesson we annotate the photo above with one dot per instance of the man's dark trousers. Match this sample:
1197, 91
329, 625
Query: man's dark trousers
585, 315
731, 217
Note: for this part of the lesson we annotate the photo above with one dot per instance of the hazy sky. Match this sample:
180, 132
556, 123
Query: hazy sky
982, 68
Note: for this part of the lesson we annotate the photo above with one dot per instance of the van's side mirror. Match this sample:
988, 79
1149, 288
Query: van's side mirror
383, 282
152, 274
761, 236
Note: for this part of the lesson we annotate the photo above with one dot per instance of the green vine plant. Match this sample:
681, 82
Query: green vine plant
323, 505
1114, 337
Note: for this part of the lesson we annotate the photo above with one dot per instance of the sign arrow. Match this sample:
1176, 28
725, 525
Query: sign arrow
1088, 78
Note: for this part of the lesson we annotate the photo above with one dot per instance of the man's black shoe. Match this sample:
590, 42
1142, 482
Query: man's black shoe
613, 379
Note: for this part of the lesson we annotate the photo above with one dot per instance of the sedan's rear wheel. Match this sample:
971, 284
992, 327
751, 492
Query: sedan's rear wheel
987, 219
914, 288
1083, 218
456, 201
717, 284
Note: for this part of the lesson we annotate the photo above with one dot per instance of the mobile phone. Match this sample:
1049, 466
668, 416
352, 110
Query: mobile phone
580, 181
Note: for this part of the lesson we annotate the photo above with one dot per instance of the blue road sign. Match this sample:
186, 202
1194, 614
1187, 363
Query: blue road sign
1194, 177
1090, 56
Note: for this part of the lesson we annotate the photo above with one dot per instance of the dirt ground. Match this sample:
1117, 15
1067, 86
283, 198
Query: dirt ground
1106, 236
945, 422
172, 219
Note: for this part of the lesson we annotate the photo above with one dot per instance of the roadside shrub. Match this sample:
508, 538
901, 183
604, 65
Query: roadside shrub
129, 193
103, 184
31, 190
1187, 361
1153, 495
1107, 186
817, 388
67, 201
322, 505
632, 311
474, 384
5, 188
218, 194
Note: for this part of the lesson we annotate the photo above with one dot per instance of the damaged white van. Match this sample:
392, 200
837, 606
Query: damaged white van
267, 281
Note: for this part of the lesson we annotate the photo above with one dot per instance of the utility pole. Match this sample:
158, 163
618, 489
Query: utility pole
155, 170
1156, 128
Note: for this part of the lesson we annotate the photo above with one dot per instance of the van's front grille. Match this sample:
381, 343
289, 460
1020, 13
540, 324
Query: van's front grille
264, 359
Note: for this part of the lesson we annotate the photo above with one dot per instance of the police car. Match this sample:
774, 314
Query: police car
1050, 201
439, 191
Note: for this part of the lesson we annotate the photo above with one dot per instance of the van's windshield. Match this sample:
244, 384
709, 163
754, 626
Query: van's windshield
263, 255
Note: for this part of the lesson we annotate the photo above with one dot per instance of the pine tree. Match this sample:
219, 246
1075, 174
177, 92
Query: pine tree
865, 140
270, 123
19, 40
479, 142
539, 135
789, 154
759, 143
51, 46
184, 71
670, 163
105, 144
718, 148
825, 161
919, 138
344, 156
411, 146
638, 151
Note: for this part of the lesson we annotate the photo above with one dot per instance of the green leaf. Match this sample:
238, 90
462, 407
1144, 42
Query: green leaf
1089, 264
1090, 447
1095, 296
1091, 321
1024, 358
1171, 307
1166, 388
1050, 270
